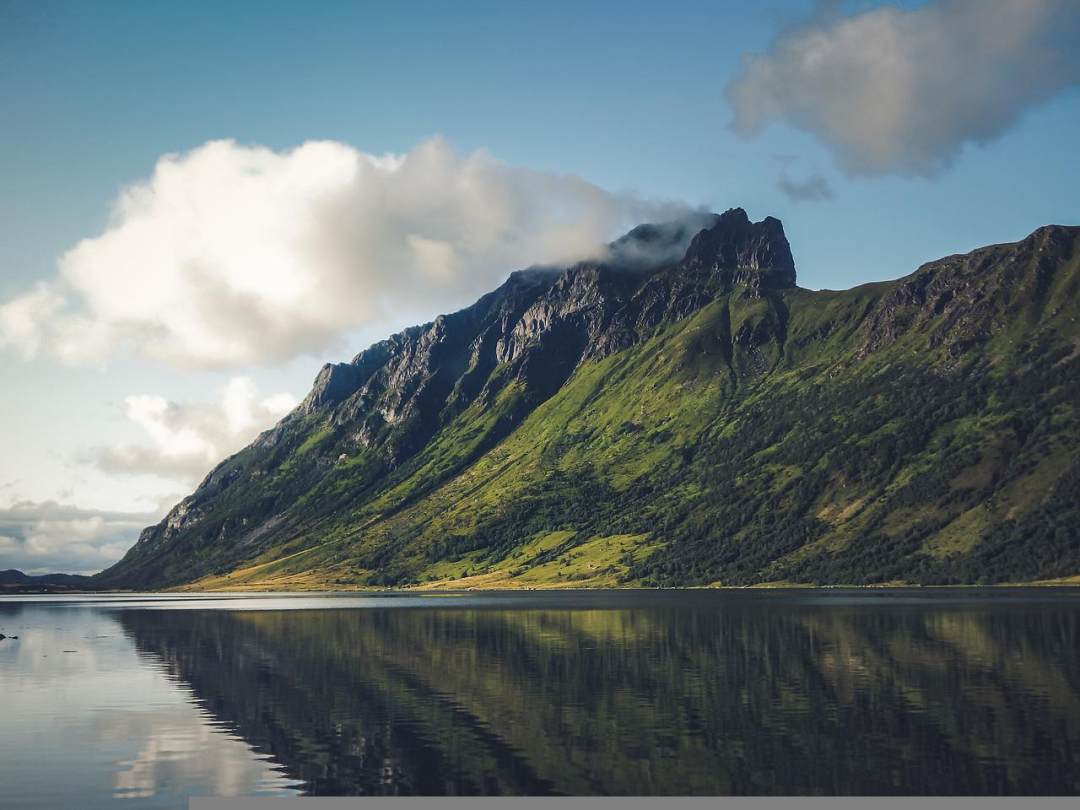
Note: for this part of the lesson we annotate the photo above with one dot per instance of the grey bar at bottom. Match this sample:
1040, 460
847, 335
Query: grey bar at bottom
634, 803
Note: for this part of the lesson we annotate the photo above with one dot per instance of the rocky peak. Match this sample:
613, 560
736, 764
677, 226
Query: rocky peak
735, 245
586, 310
334, 383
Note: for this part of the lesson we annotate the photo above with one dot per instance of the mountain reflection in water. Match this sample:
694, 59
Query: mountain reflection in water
644, 694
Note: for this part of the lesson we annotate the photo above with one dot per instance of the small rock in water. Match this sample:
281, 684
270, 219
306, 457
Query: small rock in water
2, 636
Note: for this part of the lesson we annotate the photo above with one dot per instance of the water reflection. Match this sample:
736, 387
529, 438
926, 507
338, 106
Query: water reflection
84, 721
680, 695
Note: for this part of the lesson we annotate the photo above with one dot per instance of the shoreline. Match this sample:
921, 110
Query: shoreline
1068, 583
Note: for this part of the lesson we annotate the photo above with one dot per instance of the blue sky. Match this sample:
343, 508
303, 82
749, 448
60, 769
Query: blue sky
631, 97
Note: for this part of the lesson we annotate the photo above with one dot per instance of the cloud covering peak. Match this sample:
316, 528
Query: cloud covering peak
902, 91
232, 255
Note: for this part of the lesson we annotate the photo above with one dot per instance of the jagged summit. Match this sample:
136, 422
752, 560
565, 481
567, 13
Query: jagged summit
713, 242
586, 311
735, 243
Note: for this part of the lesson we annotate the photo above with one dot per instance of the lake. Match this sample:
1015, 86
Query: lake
643, 692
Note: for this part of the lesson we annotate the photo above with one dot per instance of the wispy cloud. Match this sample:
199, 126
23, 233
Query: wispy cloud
185, 440
902, 91
232, 255
813, 188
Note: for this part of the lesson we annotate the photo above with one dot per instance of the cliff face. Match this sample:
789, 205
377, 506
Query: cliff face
542, 323
961, 302
682, 337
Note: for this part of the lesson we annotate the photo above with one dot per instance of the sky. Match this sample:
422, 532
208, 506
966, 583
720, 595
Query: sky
202, 203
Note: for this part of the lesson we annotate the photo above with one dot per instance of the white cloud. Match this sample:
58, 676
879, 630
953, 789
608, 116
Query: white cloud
893, 90
187, 439
47, 537
231, 255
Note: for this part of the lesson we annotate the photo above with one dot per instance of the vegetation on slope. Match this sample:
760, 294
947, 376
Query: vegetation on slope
920, 431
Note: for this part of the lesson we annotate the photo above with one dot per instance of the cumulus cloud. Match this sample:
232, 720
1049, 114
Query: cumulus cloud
893, 90
47, 537
185, 440
232, 255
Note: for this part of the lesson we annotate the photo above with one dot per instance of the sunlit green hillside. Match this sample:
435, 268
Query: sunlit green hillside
689, 425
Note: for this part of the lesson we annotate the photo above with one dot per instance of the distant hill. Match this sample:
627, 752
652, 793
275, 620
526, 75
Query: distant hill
678, 412
11, 580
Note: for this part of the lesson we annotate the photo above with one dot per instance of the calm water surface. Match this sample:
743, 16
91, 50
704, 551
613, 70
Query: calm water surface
157, 698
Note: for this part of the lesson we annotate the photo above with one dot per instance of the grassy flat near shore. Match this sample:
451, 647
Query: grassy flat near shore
501, 582
595, 565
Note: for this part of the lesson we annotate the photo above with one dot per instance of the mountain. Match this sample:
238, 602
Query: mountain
14, 580
675, 412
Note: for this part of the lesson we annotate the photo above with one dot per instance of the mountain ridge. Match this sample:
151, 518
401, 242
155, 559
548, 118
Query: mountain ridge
336, 493
13, 580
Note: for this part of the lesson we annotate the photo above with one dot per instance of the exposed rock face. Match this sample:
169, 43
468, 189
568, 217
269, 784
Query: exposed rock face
977, 294
335, 382
542, 323
743, 252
